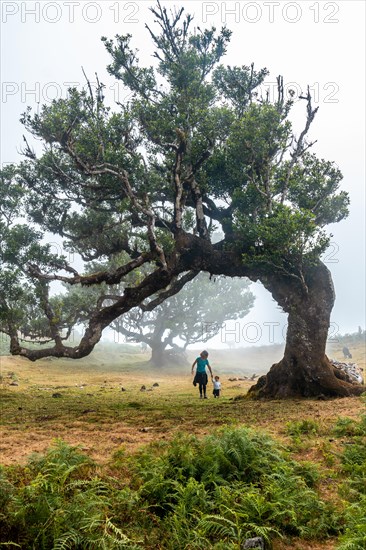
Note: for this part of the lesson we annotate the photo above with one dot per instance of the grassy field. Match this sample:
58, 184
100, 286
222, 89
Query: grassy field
82, 403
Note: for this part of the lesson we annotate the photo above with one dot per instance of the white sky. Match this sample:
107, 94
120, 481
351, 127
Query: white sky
44, 44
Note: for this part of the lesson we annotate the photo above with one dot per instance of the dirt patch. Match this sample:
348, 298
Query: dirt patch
96, 441
301, 545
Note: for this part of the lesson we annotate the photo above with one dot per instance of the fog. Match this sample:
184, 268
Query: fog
44, 46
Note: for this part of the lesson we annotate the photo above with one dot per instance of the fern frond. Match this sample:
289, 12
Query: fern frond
118, 533
252, 529
68, 541
218, 525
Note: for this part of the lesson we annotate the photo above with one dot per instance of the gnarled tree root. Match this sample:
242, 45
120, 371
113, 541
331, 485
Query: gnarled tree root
286, 380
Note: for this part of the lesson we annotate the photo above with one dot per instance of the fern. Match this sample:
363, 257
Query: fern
68, 541
220, 526
307, 426
185, 494
355, 536
235, 530
118, 536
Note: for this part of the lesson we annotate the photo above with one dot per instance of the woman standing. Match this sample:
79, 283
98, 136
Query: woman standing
201, 376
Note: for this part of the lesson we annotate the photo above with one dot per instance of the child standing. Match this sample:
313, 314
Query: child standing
201, 376
217, 386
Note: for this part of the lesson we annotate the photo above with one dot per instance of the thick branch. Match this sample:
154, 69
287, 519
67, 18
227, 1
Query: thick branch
111, 278
200, 216
131, 297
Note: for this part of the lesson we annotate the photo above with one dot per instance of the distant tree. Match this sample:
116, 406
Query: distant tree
196, 314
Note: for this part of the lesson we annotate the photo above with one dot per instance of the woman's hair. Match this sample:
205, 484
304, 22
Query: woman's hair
205, 353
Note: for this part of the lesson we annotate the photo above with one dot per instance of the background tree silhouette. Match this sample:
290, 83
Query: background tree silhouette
196, 314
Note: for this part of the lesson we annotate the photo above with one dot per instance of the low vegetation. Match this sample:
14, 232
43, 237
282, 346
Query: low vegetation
187, 493
161, 469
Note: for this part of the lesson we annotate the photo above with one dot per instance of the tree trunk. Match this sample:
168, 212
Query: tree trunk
305, 370
158, 354
161, 357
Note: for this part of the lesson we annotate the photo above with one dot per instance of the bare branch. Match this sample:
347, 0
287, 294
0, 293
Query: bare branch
301, 145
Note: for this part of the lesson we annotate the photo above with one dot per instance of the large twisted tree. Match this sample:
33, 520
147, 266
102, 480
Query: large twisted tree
197, 147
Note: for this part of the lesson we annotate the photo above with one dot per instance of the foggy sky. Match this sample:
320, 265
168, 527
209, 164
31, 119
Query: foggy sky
321, 44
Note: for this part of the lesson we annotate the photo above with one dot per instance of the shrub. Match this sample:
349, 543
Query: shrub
349, 427
354, 537
186, 494
233, 484
300, 427
64, 506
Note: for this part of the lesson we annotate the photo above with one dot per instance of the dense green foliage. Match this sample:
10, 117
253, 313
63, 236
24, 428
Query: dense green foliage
59, 502
353, 462
185, 494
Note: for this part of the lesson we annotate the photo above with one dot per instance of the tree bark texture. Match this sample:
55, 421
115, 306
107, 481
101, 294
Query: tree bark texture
305, 370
